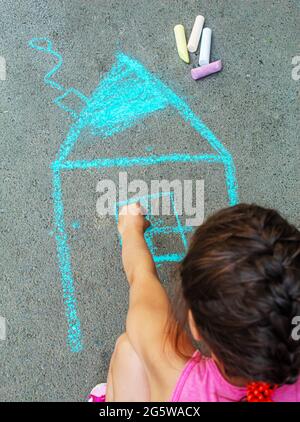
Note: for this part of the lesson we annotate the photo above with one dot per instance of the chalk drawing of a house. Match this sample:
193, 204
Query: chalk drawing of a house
104, 114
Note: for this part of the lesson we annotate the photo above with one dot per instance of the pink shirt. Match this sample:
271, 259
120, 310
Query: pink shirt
201, 381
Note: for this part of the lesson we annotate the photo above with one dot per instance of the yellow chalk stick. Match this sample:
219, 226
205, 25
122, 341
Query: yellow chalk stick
181, 43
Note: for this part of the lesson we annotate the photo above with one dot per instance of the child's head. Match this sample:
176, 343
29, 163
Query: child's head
241, 281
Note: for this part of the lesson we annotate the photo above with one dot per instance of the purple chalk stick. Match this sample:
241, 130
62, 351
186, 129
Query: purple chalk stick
207, 69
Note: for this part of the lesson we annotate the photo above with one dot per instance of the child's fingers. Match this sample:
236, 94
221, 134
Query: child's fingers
131, 209
139, 209
133, 216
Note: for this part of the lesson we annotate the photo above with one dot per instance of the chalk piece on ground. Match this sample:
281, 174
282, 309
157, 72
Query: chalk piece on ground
208, 69
195, 34
181, 43
205, 45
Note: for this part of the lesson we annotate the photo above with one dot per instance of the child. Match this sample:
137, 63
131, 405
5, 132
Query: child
240, 283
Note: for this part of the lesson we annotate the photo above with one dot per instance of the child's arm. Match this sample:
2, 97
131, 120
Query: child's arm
136, 256
148, 302
149, 306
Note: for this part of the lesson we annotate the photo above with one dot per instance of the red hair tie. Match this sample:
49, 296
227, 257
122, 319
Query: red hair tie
259, 391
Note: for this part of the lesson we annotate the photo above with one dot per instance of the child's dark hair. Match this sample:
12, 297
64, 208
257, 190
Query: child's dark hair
241, 280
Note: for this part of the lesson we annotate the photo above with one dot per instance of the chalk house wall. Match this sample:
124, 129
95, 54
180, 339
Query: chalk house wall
126, 96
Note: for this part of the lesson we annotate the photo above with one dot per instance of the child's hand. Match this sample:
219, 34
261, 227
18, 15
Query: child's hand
131, 219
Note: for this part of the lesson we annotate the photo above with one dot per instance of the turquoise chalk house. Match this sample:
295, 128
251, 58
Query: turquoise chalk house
104, 114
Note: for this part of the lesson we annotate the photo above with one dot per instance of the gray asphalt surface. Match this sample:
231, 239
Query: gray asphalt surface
252, 106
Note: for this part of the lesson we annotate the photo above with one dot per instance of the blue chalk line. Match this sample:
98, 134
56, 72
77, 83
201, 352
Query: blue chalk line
76, 225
